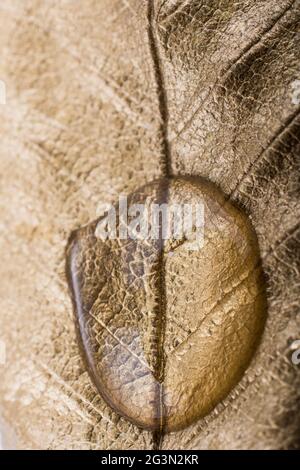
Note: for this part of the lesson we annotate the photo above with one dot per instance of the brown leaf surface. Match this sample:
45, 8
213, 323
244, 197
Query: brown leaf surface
103, 97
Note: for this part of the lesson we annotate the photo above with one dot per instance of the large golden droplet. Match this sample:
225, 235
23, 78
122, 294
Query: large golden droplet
167, 331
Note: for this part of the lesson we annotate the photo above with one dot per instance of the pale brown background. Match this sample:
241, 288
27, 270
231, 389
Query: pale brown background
81, 124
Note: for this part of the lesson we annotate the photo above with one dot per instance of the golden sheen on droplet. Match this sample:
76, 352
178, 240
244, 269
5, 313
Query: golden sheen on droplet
167, 332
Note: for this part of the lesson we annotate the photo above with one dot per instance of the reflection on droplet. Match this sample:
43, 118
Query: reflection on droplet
166, 338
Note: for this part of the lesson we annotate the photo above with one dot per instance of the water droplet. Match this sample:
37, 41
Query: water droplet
158, 360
